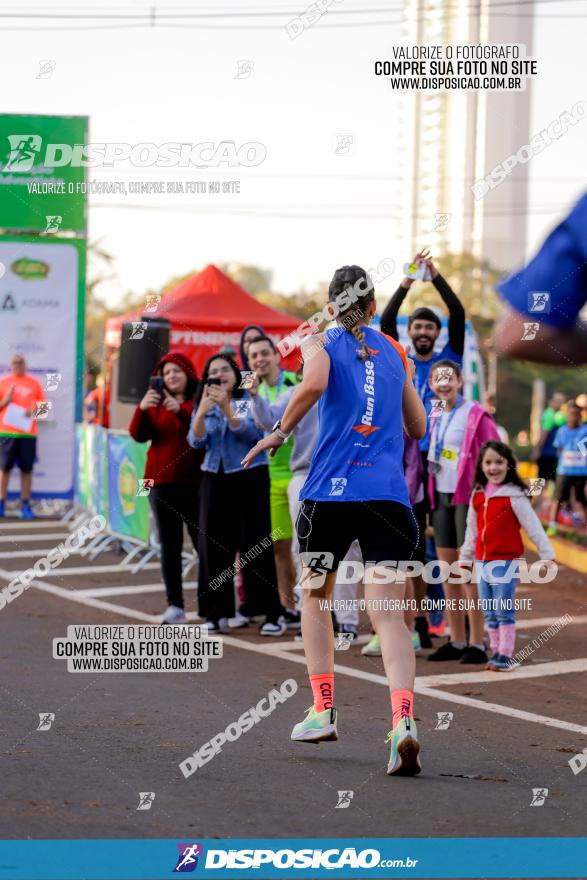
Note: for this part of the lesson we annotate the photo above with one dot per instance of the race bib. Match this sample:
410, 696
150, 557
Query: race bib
449, 457
572, 458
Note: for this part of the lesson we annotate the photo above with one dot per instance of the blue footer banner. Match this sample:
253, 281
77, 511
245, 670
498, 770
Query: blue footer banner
226, 859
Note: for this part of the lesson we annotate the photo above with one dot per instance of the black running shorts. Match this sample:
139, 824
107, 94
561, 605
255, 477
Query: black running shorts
449, 522
564, 484
21, 451
385, 530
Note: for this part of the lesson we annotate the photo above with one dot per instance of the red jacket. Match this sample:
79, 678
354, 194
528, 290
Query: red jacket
494, 523
170, 459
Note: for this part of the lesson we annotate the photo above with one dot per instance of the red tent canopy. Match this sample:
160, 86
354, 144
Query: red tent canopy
207, 311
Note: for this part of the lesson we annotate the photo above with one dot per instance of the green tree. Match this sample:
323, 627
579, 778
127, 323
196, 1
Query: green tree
251, 278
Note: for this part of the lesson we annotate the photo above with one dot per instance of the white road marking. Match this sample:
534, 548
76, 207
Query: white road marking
130, 590
90, 602
72, 596
35, 524
24, 554
545, 622
422, 689
26, 538
557, 667
501, 710
419, 687
86, 569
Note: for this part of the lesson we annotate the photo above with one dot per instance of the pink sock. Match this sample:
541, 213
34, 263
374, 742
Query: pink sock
494, 640
402, 704
323, 691
507, 639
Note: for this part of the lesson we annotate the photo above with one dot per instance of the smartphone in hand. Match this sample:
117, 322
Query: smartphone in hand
157, 384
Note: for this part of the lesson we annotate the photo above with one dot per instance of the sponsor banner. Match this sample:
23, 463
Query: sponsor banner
103, 507
40, 191
274, 858
91, 468
96, 446
42, 318
128, 511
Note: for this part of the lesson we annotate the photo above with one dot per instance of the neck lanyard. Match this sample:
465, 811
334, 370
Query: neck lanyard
264, 387
439, 440
421, 386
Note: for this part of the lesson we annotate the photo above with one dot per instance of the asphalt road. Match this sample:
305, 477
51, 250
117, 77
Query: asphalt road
117, 734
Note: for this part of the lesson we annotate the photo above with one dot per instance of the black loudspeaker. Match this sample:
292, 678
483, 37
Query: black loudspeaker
142, 344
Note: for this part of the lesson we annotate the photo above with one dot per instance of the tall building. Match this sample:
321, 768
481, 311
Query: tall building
459, 136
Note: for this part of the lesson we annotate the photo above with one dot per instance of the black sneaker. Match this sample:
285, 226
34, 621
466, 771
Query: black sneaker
472, 654
447, 652
293, 619
217, 626
421, 627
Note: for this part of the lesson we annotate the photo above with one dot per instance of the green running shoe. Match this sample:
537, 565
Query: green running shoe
372, 648
416, 641
404, 760
316, 727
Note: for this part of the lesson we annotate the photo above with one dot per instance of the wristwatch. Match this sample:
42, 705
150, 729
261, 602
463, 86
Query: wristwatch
277, 430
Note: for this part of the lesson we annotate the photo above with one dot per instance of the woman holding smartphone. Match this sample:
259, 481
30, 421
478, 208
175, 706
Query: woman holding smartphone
163, 417
234, 505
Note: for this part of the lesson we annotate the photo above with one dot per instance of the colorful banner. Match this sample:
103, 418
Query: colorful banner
81, 492
42, 181
94, 454
103, 505
128, 511
42, 284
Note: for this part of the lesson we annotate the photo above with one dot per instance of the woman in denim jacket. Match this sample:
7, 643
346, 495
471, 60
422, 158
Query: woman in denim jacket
234, 502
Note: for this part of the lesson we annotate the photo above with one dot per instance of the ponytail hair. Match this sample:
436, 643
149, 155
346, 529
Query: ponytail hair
356, 279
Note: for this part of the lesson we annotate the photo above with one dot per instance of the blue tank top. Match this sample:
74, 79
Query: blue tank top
359, 453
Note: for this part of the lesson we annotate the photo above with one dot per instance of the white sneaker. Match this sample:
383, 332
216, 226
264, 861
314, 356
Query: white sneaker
239, 621
274, 629
174, 615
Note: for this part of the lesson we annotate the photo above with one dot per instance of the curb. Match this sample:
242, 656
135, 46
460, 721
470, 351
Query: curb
572, 555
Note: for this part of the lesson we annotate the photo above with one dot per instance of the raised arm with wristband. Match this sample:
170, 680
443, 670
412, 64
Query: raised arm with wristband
456, 312
424, 329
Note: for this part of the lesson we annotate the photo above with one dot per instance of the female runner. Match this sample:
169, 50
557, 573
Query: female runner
356, 490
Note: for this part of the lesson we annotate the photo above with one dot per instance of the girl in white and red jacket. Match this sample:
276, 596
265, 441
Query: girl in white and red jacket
499, 509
